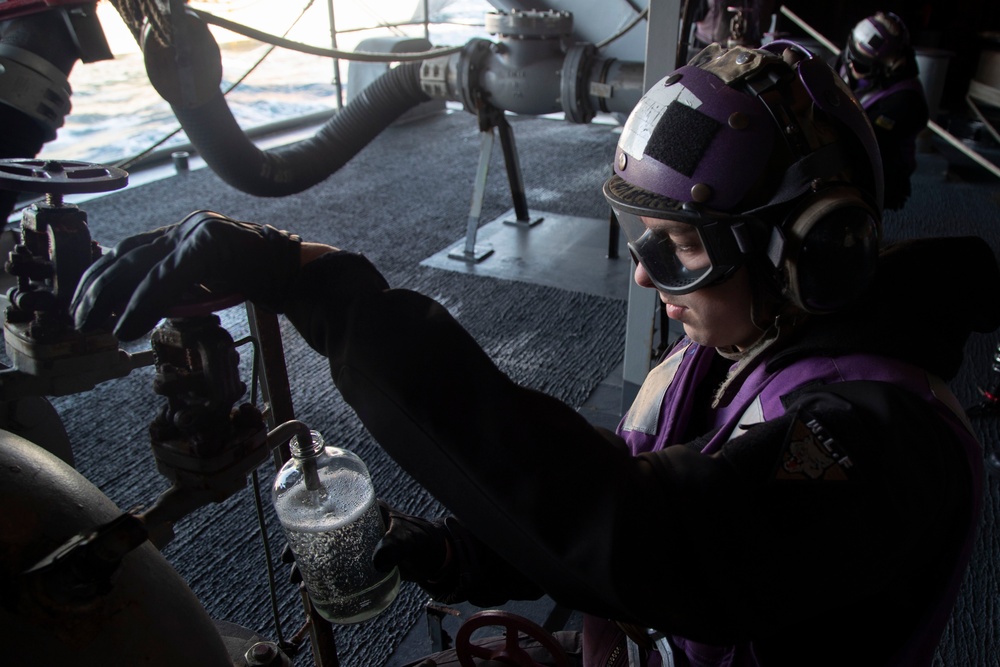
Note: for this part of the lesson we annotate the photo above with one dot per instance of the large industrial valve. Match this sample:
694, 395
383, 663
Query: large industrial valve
529, 52
49, 357
204, 444
53, 226
73, 561
534, 68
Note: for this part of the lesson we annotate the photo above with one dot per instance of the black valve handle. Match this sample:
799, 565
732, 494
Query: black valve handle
59, 177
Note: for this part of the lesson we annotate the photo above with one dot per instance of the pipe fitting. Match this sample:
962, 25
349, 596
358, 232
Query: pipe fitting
574, 87
524, 72
263, 654
524, 78
530, 24
532, 70
612, 85
518, 73
34, 87
456, 77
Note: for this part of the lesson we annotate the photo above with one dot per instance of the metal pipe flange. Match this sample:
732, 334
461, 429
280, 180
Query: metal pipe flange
531, 23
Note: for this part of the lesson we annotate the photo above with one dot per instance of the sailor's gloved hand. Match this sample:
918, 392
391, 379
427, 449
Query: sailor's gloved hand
146, 275
419, 548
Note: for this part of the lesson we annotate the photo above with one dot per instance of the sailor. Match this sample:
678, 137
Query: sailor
880, 66
794, 485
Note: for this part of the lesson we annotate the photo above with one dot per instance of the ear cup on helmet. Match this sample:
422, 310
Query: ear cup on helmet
831, 249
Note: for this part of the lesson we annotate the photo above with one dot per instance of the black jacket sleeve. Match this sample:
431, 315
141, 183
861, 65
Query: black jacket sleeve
717, 548
525, 471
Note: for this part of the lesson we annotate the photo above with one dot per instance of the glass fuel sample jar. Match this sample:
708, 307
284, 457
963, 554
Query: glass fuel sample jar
327, 507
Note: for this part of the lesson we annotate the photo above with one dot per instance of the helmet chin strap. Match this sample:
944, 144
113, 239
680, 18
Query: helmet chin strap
769, 301
798, 180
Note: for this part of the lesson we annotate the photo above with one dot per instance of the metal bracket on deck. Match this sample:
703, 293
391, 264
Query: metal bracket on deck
488, 119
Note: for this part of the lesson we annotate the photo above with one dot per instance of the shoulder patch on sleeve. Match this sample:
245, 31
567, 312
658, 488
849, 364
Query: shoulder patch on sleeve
811, 454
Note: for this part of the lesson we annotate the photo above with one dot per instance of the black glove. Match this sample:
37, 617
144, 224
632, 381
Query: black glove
146, 275
419, 548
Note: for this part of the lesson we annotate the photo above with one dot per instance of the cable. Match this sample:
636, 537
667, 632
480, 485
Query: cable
275, 41
125, 164
258, 504
360, 56
640, 16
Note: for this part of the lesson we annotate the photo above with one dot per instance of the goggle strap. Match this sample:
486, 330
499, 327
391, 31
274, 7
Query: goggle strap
822, 163
741, 232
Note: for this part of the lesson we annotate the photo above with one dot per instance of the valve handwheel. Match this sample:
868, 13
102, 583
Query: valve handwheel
62, 177
59, 177
511, 652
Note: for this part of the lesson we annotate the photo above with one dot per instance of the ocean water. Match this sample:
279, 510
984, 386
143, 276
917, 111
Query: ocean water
117, 114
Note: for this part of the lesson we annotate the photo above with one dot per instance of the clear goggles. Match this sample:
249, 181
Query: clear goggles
862, 66
687, 249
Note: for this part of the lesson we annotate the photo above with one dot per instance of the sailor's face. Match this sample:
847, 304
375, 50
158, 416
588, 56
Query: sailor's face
715, 316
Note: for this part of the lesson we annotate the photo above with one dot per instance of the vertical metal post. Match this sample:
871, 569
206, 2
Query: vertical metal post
427, 21
336, 61
471, 252
275, 389
662, 35
514, 178
277, 395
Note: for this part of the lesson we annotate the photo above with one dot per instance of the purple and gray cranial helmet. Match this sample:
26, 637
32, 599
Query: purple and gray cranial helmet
877, 45
751, 147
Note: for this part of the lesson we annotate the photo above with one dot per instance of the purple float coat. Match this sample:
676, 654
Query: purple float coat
898, 110
660, 418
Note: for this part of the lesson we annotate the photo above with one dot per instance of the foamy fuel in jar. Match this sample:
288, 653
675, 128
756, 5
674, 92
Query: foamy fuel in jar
327, 508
